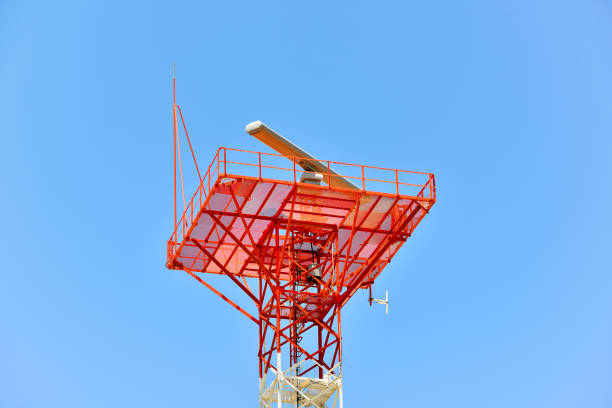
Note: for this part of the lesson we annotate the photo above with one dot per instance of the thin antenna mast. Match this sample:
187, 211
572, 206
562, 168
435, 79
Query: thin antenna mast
174, 134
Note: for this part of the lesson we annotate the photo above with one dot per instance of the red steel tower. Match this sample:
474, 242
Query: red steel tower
299, 237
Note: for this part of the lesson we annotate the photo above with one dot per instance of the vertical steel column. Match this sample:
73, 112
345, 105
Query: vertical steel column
279, 372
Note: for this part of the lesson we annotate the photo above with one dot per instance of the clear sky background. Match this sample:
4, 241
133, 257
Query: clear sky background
502, 297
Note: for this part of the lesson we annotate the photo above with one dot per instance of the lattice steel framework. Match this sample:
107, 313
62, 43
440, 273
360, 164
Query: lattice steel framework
298, 251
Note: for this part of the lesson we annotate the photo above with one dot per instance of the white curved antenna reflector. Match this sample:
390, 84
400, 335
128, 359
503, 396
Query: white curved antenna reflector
283, 146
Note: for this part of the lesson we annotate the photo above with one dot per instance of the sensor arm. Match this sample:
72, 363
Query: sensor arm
384, 301
283, 146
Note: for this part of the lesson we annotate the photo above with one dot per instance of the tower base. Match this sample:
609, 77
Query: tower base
290, 390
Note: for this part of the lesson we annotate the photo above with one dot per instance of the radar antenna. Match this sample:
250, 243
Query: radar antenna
283, 146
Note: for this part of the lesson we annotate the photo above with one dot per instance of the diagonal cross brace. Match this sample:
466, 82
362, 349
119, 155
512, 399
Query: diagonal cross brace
225, 271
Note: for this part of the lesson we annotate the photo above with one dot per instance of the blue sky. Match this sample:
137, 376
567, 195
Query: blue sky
500, 299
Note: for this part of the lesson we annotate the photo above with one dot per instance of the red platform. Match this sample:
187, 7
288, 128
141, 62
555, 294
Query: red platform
231, 217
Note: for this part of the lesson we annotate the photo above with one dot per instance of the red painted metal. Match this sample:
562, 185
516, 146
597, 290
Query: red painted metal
307, 248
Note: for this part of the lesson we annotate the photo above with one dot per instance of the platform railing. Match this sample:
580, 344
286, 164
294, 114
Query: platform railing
198, 199
355, 173
263, 166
